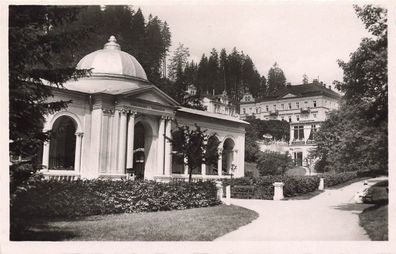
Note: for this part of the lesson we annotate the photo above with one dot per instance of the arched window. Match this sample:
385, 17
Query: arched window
211, 158
63, 144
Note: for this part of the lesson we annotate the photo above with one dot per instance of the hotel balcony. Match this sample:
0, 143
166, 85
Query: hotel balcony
302, 142
305, 110
273, 112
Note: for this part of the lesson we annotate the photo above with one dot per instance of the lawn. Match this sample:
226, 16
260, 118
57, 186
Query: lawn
375, 218
198, 224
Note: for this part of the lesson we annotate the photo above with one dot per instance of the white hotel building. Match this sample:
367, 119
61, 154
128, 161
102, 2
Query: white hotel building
304, 106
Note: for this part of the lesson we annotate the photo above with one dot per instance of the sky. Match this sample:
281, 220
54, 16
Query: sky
302, 38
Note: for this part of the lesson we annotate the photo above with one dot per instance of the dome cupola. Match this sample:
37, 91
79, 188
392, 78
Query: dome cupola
111, 61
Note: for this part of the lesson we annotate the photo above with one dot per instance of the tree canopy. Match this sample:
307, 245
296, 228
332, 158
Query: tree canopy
356, 136
33, 60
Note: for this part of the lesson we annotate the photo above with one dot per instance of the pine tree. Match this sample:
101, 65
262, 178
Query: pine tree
276, 80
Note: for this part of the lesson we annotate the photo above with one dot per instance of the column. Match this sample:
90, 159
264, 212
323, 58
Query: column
219, 163
122, 142
77, 158
114, 145
185, 166
235, 161
161, 146
203, 165
131, 136
46, 154
168, 148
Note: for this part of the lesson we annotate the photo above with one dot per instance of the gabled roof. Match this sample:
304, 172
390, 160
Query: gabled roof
306, 90
298, 91
153, 91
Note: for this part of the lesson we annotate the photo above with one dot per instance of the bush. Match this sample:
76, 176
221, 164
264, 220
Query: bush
61, 199
273, 163
262, 187
335, 179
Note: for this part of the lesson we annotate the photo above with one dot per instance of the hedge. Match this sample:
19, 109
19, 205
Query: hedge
262, 188
61, 199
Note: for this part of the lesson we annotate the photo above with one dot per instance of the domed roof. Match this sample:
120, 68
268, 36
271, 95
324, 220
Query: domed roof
112, 61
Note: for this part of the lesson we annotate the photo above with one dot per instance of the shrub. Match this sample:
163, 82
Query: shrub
61, 199
335, 179
273, 163
262, 187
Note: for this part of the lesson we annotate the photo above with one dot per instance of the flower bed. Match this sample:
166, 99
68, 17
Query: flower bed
61, 199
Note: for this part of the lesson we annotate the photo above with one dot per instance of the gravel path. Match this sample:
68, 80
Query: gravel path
332, 216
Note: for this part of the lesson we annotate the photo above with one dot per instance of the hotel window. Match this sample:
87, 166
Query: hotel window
314, 102
299, 132
244, 111
297, 104
274, 106
282, 118
282, 106
313, 132
297, 118
266, 108
314, 115
289, 119
257, 110
290, 107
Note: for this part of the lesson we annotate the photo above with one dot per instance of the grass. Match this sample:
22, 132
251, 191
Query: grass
375, 218
375, 221
198, 224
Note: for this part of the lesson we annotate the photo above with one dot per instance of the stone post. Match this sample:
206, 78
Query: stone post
219, 186
321, 184
228, 195
278, 190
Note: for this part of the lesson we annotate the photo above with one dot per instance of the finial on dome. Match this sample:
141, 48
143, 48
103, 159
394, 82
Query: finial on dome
112, 44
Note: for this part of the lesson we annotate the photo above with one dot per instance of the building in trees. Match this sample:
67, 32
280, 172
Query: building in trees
304, 106
117, 123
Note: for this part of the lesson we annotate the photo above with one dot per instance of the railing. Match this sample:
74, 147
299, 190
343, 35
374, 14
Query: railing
60, 175
303, 142
305, 110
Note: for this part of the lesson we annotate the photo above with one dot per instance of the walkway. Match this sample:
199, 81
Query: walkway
332, 215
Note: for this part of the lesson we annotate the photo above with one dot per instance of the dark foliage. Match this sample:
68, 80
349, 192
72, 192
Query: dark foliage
262, 188
62, 199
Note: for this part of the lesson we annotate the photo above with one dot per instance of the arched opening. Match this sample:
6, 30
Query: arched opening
212, 159
141, 148
62, 144
227, 155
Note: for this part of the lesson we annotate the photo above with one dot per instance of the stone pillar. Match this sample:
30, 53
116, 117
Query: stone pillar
122, 143
161, 146
131, 136
321, 184
220, 162
278, 190
77, 158
114, 145
203, 165
219, 186
168, 148
185, 166
228, 195
46, 154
